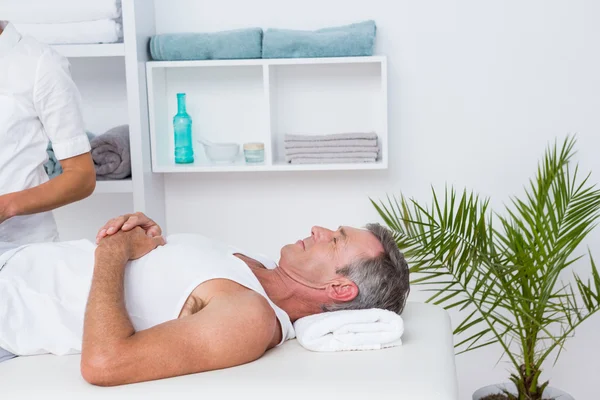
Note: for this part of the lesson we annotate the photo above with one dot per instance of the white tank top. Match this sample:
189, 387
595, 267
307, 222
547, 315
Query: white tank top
44, 289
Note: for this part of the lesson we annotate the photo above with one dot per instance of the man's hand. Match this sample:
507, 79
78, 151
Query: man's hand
126, 223
132, 244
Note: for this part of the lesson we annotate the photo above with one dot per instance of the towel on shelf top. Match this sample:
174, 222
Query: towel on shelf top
111, 154
225, 45
342, 41
59, 11
101, 31
370, 329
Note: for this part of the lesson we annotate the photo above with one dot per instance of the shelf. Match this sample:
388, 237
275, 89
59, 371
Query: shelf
91, 50
117, 186
281, 166
265, 61
262, 100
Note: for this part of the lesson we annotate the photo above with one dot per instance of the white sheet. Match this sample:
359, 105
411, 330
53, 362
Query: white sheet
421, 369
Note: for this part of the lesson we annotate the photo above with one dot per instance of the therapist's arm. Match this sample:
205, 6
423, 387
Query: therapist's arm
58, 105
77, 182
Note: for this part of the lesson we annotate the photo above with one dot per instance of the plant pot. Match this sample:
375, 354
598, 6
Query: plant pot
549, 393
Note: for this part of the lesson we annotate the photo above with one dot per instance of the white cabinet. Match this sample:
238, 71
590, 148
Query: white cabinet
261, 100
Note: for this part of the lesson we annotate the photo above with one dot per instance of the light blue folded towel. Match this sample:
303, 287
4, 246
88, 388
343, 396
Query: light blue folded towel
52, 166
226, 45
342, 41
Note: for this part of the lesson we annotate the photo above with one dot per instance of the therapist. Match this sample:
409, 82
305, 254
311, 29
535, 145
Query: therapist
38, 102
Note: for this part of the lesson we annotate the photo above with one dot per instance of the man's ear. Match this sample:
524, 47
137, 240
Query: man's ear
342, 290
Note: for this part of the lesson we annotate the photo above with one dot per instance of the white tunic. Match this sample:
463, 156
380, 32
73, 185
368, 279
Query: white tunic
44, 289
38, 102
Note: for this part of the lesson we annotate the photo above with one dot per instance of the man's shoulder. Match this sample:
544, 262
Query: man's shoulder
241, 310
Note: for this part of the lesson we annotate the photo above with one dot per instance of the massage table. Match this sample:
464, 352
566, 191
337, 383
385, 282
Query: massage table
421, 369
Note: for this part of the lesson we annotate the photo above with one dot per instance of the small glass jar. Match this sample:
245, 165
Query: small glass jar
254, 153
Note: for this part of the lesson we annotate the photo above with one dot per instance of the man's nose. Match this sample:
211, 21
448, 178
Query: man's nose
321, 234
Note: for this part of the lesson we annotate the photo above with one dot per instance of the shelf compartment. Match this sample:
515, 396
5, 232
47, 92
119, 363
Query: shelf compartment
262, 100
225, 104
116, 186
91, 50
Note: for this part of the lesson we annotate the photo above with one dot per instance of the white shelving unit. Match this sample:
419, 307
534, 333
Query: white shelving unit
120, 186
123, 99
91, 50
261, 100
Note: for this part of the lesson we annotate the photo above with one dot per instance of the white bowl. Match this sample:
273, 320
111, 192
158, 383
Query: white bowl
222, 152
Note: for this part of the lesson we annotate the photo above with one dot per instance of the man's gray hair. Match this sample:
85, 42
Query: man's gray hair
382, 281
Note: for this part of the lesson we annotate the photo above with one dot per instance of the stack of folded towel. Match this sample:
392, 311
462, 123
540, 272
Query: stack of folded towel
110, 152
66, 21
331, 149
348, 330
341, 41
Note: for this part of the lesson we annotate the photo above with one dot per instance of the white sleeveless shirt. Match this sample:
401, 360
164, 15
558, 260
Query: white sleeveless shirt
44, 289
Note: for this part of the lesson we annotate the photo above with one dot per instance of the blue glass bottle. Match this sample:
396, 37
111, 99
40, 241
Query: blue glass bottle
182, 126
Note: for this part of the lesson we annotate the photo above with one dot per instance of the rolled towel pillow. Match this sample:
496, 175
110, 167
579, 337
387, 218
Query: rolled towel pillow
111, 154
370, 329
225, 45
342, 41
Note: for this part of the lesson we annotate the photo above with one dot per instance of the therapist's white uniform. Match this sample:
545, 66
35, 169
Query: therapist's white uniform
38, 102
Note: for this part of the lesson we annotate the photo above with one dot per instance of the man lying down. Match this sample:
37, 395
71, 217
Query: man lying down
138, 309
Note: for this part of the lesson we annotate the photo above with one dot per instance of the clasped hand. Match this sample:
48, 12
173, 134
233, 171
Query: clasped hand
130, 235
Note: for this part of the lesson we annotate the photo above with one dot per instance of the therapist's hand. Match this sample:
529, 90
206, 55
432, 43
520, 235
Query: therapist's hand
126, 223
6, 207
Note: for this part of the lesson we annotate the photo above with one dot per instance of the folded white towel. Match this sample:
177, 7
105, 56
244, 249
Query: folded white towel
319, 156
330, 137
332, 160
363, 143
350, 330
331, 150
58, 11
103, 31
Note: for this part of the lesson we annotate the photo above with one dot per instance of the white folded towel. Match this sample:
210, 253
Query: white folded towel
58, 11
361, 143
331, 137
331, 150
331, 160
371, 329
102, 31
364, 157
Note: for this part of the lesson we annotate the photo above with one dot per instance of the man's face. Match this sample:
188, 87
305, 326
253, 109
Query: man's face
314, 260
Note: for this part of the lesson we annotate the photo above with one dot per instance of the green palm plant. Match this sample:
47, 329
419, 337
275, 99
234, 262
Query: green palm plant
505, 269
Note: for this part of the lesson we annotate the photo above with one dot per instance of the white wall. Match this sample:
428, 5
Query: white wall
476, 90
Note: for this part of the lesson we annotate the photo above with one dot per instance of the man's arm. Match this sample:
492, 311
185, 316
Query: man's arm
216, 337
77, 182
